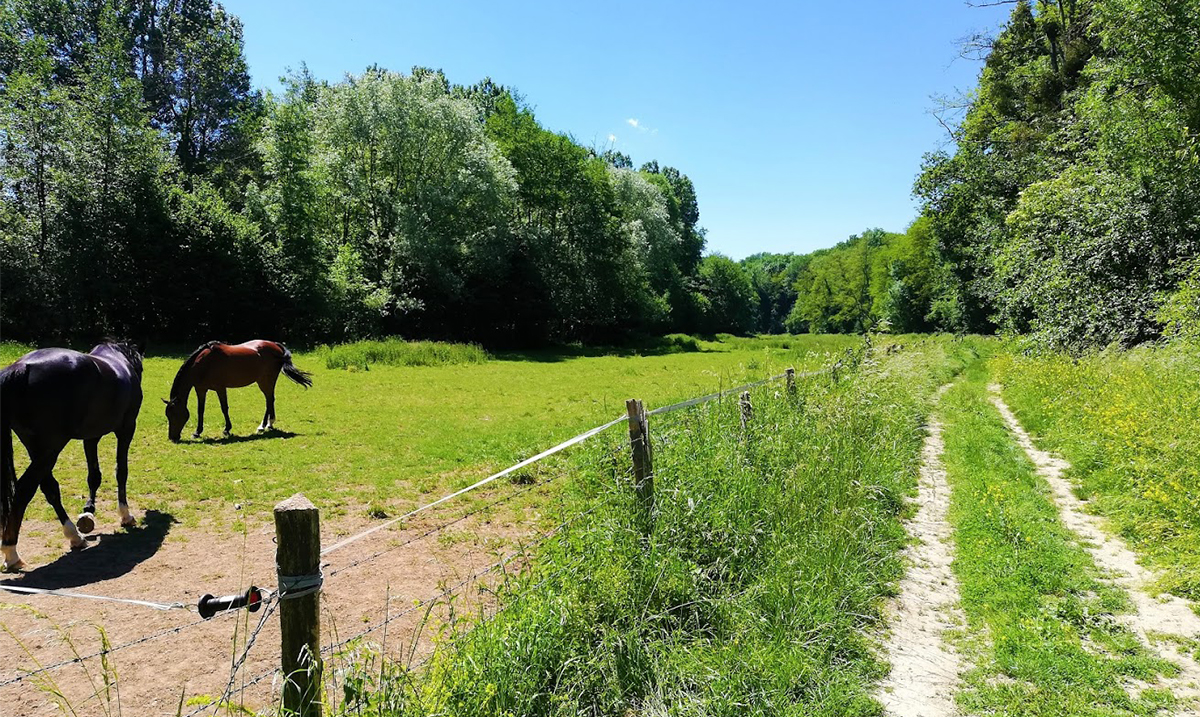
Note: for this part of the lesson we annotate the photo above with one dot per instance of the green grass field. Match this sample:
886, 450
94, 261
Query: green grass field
393, 436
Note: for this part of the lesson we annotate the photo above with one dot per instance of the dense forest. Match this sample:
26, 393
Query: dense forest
149, 190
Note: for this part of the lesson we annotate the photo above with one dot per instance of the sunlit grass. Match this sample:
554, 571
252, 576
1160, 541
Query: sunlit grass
1128, 422
394, 436
1042, 631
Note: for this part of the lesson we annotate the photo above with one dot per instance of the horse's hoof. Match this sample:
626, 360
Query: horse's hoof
80, 545
196, 434
127, 519
129, 522
260, 429
86, 523
14, 567
226, 433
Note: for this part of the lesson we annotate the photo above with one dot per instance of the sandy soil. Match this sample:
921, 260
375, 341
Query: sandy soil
163, 561
925, 669
1154, 616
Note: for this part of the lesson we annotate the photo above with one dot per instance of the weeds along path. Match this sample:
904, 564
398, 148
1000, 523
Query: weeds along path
1164, 622
925, 670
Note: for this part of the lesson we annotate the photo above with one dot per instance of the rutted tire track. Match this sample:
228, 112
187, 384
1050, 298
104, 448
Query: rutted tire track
925, 669
1164, 615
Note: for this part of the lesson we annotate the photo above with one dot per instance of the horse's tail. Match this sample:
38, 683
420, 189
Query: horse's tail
9, 388
304, 378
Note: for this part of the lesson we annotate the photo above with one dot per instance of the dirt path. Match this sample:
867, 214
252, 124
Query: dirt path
925, 670
164, 562
1154, 617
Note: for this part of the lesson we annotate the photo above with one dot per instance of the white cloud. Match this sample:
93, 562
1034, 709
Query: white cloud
632, 122
612, 139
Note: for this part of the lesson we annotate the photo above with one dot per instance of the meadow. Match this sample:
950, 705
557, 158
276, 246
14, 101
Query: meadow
379, 438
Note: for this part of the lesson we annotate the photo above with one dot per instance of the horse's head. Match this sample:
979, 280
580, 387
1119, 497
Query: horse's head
177, 417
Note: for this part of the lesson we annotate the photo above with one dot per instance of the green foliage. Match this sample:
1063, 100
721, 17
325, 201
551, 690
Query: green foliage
156, 194
728, 297
398, 352
874, 280
1072, 198
1180, 311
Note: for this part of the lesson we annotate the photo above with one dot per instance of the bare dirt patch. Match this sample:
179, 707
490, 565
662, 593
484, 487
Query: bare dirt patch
1154, 616
163, 561
925, 669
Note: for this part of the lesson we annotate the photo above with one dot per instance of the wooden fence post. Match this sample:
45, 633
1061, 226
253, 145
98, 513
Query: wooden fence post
643, 461
298, 556
791, 381
747, 409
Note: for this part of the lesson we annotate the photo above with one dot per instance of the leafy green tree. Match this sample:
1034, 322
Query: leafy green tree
728, 296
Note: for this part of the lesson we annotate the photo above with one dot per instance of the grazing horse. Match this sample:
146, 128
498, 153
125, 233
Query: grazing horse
216, 366
50, 397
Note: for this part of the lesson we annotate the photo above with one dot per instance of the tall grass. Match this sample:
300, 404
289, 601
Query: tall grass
770, 553
398, 352
1127, 422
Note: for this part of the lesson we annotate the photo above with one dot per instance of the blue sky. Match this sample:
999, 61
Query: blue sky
800, 123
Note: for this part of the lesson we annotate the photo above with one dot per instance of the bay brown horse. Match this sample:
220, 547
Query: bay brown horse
217, 366
50, 397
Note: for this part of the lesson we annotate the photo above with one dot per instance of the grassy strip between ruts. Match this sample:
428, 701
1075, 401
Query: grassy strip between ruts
770, 556
1041, 626
1127, 422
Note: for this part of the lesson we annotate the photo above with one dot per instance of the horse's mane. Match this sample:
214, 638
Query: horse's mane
127, 349
179, 385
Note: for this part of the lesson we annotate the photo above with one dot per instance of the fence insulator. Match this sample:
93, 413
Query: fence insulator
209, 605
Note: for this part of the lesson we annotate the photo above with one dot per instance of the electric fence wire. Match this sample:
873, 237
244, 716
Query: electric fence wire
443, 526
109, 650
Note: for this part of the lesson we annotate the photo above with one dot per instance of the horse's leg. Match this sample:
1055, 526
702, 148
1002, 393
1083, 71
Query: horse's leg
223, 397
87, 521
124, 438
26, 487
267, 386
54, 498
201, 394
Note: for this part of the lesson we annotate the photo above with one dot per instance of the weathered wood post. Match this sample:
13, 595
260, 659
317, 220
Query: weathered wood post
834, 370
791, 382
298, 560
643, 461
747, 409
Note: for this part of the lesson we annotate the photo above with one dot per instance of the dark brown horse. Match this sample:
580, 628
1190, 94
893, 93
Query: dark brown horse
50, 397
215, 367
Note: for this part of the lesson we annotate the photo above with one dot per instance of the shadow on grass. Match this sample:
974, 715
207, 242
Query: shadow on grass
654, 347
264, 436
109, 556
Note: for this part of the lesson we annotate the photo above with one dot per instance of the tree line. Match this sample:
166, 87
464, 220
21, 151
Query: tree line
150, 191
1068, 209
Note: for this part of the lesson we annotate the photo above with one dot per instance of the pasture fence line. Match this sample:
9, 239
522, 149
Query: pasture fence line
299, 557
